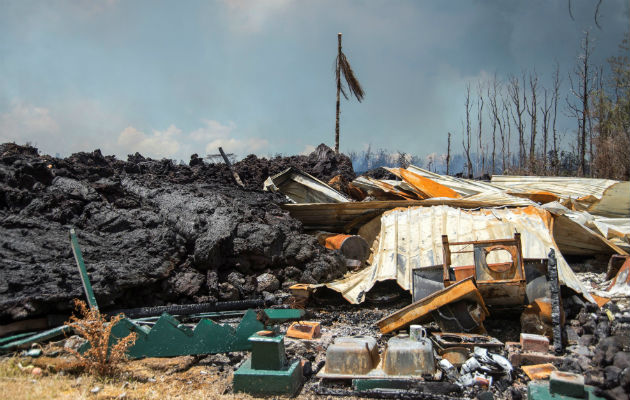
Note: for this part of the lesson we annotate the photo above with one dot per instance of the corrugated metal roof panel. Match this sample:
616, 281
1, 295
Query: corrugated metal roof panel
301, 187
604, 197
465, 187
412, 238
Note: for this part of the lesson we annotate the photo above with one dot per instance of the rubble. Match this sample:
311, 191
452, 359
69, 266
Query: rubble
183, 237
407, 238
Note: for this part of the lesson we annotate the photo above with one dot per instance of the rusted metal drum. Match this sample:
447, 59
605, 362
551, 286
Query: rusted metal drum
353, 247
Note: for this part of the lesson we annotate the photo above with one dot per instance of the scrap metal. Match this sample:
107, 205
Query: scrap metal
300, 293
411, 238
85, 280
24, 341
538, 371
353, 247
406, 356
300, 187
620, 284
267, 371
304, 330
468, 340
422, 309
604, 197
500, 283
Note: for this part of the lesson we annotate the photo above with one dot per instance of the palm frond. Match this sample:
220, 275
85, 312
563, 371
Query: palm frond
353, 83
342, 89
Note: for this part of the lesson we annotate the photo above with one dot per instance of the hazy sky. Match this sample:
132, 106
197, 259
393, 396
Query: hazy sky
170, 78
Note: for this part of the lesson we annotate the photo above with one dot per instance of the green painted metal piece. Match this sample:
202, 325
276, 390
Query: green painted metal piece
39, 337
218, 314
267, 371
262, 382
540, 391
15, 337
566, 384
87, 286
169, 338
278, 316
268, 352
381, 383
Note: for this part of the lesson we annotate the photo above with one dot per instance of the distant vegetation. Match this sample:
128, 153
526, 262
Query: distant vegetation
509, 125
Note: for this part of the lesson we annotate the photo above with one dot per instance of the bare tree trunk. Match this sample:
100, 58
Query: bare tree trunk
338, 91
480, 131
466, 139
448, 154
580, 110
556, 93
508, 126
532, 111
514, 90
585, 94
496, 120
546, 110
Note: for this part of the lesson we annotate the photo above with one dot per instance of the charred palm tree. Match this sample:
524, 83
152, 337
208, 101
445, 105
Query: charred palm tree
342, 66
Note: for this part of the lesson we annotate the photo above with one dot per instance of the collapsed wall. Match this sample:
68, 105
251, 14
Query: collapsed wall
151, 232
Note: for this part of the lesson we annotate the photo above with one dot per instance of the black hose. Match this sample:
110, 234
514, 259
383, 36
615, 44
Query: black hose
187, 309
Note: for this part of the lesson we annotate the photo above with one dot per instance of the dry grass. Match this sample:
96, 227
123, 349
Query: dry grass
99, 358
138, 379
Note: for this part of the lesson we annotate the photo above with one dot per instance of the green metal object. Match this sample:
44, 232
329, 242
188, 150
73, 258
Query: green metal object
15, 337
169, 338
566, 384
39, 337
267, 372
277, 316
268, 352
87, 286
540, 391
369, 384
217, 314
261, 382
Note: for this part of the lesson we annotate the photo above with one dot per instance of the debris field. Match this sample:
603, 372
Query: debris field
310, 281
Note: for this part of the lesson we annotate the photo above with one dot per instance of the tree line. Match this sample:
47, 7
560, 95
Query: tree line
510, 125
520, 116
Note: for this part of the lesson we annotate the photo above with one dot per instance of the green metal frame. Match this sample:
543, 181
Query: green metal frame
87, 286
29, 338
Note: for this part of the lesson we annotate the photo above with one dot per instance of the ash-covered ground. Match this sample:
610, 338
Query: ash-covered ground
151, 232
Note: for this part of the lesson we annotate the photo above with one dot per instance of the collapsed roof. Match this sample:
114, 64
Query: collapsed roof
404, 219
